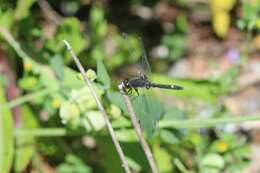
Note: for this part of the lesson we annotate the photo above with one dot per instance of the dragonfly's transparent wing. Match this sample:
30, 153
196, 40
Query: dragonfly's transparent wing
144, 67
144, 61
149, 110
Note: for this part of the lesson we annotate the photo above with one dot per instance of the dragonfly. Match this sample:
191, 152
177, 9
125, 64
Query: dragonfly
142, 80
148, 108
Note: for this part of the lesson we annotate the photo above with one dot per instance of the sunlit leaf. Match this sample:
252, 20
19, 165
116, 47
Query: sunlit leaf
102, 73
56, 63
22, 9
212, 163
203, 90
6, 136
73, 164
25, 144
163, 159
6, 19
69, 30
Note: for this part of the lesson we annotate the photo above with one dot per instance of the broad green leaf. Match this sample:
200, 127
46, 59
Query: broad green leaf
204, 90
149, 110
56, 63
102, 73
163, 159
22, 9
25, 145
6, 136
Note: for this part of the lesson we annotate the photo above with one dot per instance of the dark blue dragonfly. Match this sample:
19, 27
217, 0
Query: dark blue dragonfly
142, 81
148, 108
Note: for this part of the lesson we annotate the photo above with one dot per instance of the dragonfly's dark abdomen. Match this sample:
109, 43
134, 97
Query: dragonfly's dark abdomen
175, 87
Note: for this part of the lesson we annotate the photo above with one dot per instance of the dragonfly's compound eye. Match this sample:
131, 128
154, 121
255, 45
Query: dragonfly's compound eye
126, 83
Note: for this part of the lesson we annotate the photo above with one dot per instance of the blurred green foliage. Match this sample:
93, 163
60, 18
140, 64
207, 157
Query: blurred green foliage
53, 94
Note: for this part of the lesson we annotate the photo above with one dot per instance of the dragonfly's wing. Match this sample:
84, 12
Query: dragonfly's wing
144, 61
144, 68
149, 111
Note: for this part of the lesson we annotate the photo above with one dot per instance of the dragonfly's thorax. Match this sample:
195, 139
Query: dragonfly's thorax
138, 83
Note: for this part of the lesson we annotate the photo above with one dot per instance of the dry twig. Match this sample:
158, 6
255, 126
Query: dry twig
138, 129
101, 108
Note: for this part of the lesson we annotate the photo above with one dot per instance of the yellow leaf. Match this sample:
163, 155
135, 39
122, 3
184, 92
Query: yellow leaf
221, 22
222, 5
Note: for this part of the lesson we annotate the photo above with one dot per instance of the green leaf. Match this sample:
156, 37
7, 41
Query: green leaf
102, 73
176, 44
68, 30
94, 121
117, 99
149, 110
168, 136
73, 164
71, 80
212, 163
6, 19
6, 136
163, 159
97, 22
126, 135
56, 63
204, 90
25, 144
29, 83
22, 9
109, 158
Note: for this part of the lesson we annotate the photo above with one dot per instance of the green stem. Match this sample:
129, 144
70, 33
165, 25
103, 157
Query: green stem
180, 166
28, 97
13, 43
202, 123
46, 132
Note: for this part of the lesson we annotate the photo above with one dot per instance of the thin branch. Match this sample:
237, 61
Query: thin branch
138, 129
101, 108
13, 43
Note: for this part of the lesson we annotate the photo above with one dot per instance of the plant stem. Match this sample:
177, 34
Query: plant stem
45, 132
138, 130
202, 123
27, 98
101, 108
13, 43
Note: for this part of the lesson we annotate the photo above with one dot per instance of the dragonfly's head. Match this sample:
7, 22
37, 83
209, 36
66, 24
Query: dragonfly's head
125, 83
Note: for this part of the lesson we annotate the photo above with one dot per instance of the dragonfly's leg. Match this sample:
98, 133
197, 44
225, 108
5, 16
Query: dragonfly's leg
129, 92
136, 90
147, 85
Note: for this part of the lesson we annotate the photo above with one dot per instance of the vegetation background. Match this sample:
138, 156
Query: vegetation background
49, 121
